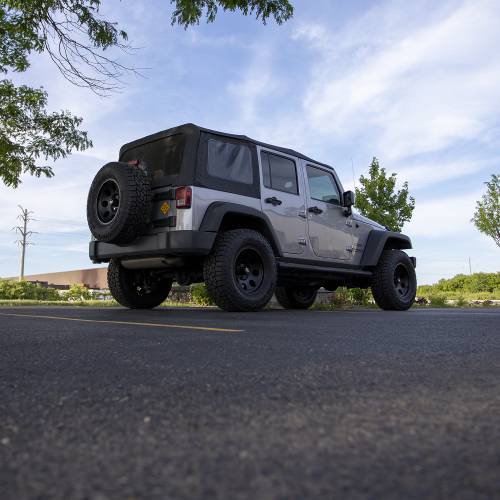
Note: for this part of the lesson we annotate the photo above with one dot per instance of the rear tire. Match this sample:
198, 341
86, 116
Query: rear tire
136, 289
240, 272
299, 297
394, 283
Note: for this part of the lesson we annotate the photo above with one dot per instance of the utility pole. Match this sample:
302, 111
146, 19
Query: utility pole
470, 267
25, 218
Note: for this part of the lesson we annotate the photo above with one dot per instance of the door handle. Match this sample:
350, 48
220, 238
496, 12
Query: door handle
273, 201
315, 210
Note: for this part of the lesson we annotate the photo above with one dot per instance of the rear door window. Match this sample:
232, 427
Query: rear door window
279, 173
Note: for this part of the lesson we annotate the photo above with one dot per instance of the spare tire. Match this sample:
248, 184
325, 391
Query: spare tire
119, 203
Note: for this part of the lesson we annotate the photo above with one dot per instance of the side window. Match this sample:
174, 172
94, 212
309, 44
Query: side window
322, 186
279, 173
229, 161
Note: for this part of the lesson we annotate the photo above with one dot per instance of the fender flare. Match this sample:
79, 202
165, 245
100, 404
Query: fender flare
215, 213
376, 243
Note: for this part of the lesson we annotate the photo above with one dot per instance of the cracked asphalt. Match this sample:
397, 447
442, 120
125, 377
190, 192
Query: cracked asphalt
189, 404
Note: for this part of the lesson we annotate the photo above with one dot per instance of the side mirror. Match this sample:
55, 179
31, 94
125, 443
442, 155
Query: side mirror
348, 199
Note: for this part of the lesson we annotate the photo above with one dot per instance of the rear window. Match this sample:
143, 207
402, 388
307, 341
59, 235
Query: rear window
229, 161
162, 157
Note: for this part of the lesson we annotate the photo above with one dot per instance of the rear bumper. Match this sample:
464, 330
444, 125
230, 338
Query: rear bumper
177, 243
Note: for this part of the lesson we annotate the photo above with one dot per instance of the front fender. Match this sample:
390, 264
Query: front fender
378, 241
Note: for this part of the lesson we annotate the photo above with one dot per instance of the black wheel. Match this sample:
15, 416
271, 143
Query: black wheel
119, 203
240, 272
136, 289
296, 297
394, 283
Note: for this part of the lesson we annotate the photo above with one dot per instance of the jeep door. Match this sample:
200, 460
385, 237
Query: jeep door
283, 200
329, 229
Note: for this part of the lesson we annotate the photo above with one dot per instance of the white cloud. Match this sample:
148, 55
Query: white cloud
59, 204
442, 216
418, 87
444, 239
420, 175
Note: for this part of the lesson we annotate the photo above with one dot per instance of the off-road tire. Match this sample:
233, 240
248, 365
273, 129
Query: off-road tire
384, 286
296, 297
134, 211
123, 287
220, 271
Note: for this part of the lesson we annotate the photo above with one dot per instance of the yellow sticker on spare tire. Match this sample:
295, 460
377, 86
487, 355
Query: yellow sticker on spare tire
165, 208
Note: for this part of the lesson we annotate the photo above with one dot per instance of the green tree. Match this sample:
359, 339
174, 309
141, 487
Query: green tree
487, 215
78, 40
378, 199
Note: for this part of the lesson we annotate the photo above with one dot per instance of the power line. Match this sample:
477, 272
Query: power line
25, 218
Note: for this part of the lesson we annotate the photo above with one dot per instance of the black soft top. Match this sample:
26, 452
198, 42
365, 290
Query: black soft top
192, 130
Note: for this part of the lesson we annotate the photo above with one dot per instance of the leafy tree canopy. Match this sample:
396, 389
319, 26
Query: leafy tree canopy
76, 37
188, 12
378, 199
487, 215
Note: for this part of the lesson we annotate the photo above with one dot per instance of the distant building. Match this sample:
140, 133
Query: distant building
94, 278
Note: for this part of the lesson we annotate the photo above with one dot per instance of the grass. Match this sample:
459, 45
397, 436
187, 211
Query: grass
61, 303
82, 303
437, 300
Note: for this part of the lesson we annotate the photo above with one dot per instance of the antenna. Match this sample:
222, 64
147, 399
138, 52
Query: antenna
353, 175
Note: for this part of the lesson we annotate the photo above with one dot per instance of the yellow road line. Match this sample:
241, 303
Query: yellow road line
133, 323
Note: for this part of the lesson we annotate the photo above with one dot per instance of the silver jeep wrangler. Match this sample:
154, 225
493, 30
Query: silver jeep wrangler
247, 218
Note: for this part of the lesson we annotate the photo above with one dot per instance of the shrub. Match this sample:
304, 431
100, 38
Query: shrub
359, 296
437, 300
349, 297
12, 290
339, 297
199, 295
461, 283
77, 291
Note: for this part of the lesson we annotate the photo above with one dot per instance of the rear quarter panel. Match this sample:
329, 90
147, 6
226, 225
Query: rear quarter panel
203, 198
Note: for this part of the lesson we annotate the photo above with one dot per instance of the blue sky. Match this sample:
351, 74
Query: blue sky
416, 84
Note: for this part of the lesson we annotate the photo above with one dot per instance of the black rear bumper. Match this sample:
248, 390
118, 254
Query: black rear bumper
177, 243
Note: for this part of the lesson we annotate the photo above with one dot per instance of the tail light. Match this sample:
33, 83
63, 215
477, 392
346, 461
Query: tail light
183, 197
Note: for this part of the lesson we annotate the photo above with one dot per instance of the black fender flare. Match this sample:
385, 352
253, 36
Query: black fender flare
379, 240
217, 211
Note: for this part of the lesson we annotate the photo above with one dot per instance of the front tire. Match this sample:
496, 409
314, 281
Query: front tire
240, 272
299, 297
394, 284
136, 289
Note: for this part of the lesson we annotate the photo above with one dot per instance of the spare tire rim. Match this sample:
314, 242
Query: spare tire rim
401, 280
108, 201
248, 271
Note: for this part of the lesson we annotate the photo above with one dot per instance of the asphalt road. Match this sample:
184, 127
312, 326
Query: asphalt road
188, 404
